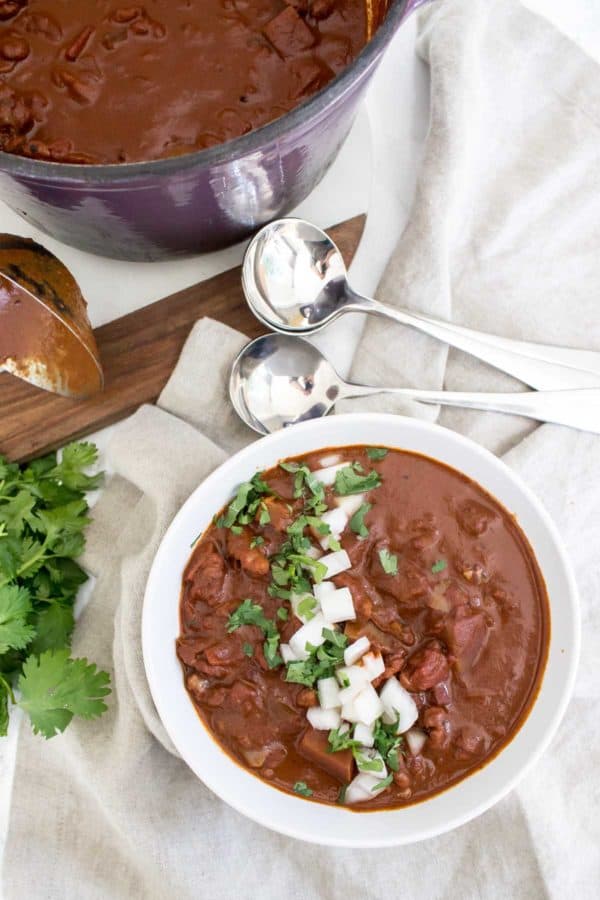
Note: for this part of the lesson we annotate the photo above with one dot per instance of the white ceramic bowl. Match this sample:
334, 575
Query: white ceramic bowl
337, 825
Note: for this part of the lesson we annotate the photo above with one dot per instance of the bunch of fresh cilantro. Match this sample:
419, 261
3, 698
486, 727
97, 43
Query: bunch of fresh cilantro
43, 514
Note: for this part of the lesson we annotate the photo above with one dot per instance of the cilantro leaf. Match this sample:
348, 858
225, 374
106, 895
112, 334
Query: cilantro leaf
5, 694
302, 788
248, 649
15, 607
54, 688
70, 470
307, 607
377, 452
349, 481
53, 626
247, 613
340, 740
357, 522
383, 784
389, 562
439, 566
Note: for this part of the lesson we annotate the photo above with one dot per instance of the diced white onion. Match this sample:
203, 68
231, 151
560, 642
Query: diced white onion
351, 503
354, 651
323, 589
287, 654
335, 563
363, 787
337, 521
338, 606
313, 552
415, 738
364, 734
310, 633
365, 756
323, 719
351, 678
329, 693
367, 705
373, 665
398, 704
348, 712
327, 475
330, 460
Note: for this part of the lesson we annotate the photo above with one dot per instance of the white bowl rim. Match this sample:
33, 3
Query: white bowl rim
291, 822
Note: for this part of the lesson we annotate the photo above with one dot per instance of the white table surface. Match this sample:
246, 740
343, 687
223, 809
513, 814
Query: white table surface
375, 172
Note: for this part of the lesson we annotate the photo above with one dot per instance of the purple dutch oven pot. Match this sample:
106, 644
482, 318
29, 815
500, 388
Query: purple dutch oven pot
204, 200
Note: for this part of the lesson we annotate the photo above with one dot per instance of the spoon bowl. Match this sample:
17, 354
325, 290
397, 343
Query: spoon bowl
278, 380
294, 277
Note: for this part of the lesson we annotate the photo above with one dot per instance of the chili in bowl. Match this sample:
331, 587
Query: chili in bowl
375, 617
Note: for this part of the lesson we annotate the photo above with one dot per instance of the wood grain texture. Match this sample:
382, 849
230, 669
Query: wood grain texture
138, 352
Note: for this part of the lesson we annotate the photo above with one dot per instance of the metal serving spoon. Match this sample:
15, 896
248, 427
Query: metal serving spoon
278, 380
295, 281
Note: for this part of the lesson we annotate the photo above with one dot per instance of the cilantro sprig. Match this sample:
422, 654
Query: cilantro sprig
357, 522
43, 515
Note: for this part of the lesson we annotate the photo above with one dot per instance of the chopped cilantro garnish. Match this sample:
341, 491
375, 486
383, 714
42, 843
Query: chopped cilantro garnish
264, 516
257, 541
237, 529
341, 740
305, 481
439, 566
349, 481
377, 452
249, 613
388, 743
341, 798
381, 785
244, 505
302, 788
282, 614
248, 650
365, 764
357, 522
389, 562
307, 607
322, 661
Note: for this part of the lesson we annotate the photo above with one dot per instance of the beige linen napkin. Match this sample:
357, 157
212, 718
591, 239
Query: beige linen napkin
504, 235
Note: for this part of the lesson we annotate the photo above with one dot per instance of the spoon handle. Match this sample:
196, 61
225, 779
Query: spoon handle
542, 366
576, 409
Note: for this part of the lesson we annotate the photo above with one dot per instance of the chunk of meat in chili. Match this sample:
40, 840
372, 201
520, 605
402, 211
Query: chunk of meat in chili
253, 559
425, 668
206, 572
466, 633
314, 746
280, 514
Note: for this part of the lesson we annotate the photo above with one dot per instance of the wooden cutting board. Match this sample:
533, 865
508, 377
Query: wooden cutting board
138, 352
